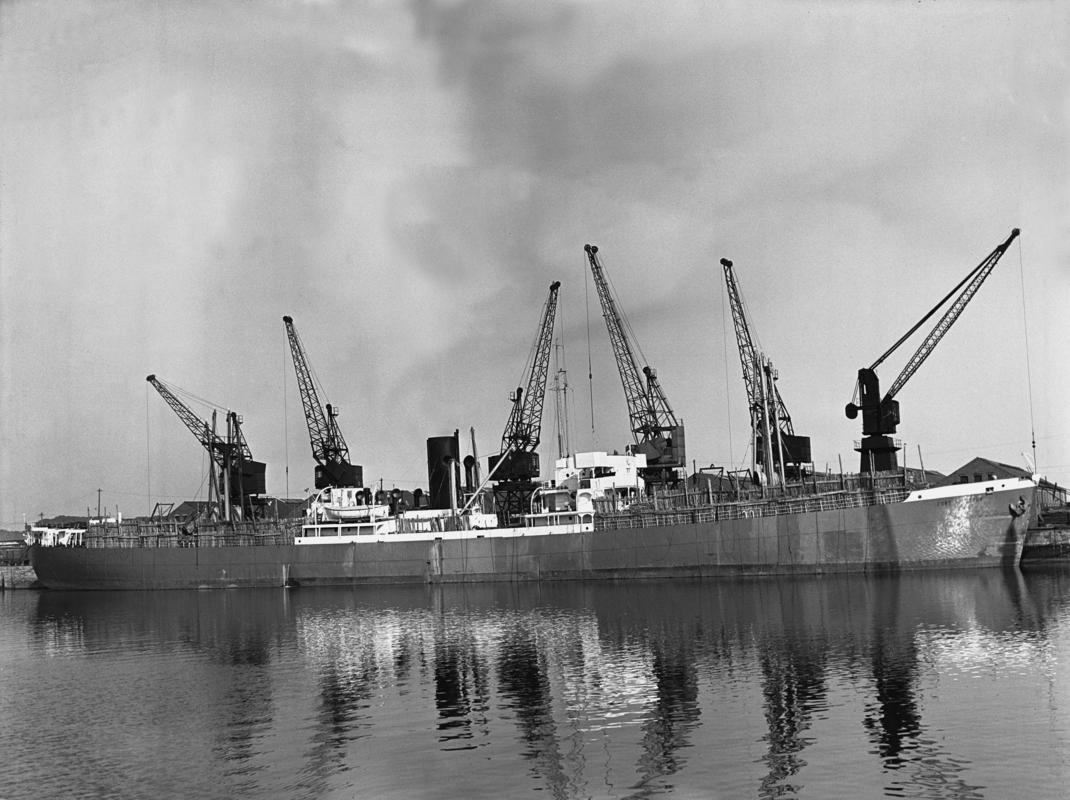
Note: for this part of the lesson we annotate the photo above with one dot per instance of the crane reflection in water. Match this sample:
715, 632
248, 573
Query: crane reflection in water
576, 689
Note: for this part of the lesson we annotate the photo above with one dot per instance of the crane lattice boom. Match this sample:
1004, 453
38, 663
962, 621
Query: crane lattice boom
231, 455
524, 428
329, 448
979, 274
764, 404
655, 429
880, 415
748, 353
751, 359
216, 446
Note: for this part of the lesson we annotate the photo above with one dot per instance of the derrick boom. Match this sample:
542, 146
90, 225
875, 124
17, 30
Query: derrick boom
655, 430
329, 448
764, 404
880, 415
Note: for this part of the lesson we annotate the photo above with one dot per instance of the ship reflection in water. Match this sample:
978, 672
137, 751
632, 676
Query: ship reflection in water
920, 685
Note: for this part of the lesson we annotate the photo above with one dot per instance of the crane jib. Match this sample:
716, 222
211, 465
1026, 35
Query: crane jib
973, 282
523, 430
329, 448
880, 415
655, 430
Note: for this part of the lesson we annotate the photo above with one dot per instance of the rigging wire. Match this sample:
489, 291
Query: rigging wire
633, 341
561, 406
560, 390
1028, 371
533, 351
187, 395
590, 367
148, 451
560, 399
286, 418
727, 387
311, 368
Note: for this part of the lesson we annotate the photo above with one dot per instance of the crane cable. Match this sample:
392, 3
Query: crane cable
183, 394
969, 277
1028, 371
286, 418
148, 450
148, 441
590, 367
727, 386
626, 324
560, 392
533, 351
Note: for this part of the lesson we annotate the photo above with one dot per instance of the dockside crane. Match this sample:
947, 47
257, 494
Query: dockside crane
515, 467
773, 439
656, 432
329, 448
238, 476
880, 415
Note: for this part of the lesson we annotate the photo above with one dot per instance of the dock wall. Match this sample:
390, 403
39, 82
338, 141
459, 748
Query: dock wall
17, 577
1046, 544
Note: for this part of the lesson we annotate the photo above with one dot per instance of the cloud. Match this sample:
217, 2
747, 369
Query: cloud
406, 183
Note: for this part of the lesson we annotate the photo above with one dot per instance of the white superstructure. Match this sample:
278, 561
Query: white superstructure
564, 504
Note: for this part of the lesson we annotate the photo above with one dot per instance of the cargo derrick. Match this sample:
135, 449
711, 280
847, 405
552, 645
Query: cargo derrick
774, 443
237, 477
656, 432
515, 468
329, 448
880, 416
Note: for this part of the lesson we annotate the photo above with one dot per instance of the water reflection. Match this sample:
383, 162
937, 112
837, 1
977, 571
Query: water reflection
916, 765
461, 691
525, 690
738, 688
672, 715
893, 719
793, 686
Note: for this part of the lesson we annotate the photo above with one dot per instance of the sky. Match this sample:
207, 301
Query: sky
406, 180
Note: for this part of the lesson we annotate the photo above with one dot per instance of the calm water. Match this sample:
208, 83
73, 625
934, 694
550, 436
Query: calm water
938, 685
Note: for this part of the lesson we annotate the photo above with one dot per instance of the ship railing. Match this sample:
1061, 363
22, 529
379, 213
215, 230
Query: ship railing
171, 535
812, 485
832, 501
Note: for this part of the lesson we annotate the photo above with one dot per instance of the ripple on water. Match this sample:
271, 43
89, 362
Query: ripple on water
930, 686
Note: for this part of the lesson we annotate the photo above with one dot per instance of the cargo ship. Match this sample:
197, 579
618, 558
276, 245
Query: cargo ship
592, 520
600, 516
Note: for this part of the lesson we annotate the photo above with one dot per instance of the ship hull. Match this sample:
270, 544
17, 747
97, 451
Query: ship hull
976, 530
